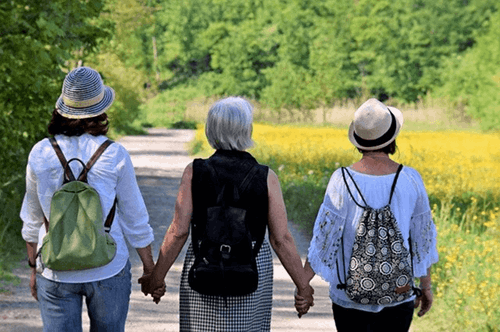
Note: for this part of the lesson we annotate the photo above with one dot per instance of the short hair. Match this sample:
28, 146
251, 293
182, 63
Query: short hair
388, 149
60, 125
229, 124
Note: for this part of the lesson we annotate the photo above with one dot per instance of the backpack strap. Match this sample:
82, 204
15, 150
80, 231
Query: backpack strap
394, 183
344, 170
83, 175
68, 174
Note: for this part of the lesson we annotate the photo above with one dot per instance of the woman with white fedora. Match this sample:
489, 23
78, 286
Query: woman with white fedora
79, 125
372, 182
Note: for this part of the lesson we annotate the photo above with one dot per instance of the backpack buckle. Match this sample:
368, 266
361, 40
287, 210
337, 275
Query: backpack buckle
225, 249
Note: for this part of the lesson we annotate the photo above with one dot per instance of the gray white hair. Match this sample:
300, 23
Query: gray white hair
229, 124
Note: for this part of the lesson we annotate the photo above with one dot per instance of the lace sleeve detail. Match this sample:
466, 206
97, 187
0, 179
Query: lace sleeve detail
424, 243
325, 242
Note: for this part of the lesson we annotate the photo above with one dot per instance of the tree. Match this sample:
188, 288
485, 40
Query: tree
36, 43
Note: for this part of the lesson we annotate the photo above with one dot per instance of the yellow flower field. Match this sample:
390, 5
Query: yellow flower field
461, 171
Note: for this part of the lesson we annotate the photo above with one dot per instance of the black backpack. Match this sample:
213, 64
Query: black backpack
225, 257
381, 268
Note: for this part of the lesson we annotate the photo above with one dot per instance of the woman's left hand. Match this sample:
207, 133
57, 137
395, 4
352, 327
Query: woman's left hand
424, 302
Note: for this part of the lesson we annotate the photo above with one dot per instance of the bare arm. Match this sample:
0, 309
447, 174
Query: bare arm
425, 301
176, 235
31, 248
147, 259
281, 239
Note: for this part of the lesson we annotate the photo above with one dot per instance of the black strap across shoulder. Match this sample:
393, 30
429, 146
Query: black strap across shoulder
69, 176
393, 187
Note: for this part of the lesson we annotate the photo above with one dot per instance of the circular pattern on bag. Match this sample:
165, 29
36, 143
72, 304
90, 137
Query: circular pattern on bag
384, 300
354, 263
350, 282
385, 268
371, 233
382, 233
392, 232
384, 251
367, 284
401, 265
355, 247
396, 247
365, 301
402, 281
385, 286
400, 298
368, 268
370, 249
361, 230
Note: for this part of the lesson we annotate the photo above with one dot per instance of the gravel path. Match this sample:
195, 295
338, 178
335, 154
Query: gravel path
159, 159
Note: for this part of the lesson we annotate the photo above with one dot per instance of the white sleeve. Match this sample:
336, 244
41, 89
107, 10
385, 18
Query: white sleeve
327, 232
31, 210
131, 207
423, 233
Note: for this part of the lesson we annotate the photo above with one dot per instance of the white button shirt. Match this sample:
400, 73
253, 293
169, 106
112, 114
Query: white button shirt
111, 176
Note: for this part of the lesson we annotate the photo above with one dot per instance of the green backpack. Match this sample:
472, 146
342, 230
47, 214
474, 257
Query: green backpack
76, 237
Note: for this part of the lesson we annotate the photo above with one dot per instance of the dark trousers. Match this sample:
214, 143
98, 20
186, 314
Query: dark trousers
390, 319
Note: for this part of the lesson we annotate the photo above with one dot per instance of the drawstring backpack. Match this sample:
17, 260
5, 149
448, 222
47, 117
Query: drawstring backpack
381, 268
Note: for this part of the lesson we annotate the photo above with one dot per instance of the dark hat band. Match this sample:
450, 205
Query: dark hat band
389, 134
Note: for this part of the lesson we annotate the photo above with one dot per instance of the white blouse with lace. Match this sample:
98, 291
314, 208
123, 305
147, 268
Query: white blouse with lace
339, 215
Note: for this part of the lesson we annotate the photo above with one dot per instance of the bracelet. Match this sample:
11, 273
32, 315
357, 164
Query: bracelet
33, 265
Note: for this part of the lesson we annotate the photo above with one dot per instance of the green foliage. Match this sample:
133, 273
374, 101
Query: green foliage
300, 55
168, 108
473, 79
125, 61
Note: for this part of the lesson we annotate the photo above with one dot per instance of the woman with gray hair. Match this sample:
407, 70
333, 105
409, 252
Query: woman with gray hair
228, 129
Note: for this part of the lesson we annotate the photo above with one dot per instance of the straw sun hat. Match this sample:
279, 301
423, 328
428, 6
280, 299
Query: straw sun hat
84, 95
375, 125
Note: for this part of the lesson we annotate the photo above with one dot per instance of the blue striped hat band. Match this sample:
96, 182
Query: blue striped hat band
84, 95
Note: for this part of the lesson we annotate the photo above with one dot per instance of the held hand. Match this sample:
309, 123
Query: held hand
146, 282
424, 302
158, 293
304, 300
151, 286
33, 284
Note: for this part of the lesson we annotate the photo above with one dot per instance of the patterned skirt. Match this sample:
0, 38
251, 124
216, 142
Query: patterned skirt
206, 313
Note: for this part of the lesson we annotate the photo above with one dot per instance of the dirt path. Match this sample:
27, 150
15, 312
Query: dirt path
159, 159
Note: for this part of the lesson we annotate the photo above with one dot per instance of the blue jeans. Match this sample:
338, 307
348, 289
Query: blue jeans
107, 303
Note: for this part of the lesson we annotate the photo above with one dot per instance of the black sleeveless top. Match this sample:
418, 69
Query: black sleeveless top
231, 166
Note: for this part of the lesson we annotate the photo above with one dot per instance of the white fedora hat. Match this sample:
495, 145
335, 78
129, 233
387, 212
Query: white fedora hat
84, 95
375, 125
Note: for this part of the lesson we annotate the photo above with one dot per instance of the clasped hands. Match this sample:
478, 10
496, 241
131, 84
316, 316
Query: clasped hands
304, 300
150, 285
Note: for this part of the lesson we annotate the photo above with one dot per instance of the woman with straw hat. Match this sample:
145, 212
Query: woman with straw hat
78, 126
343, 224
